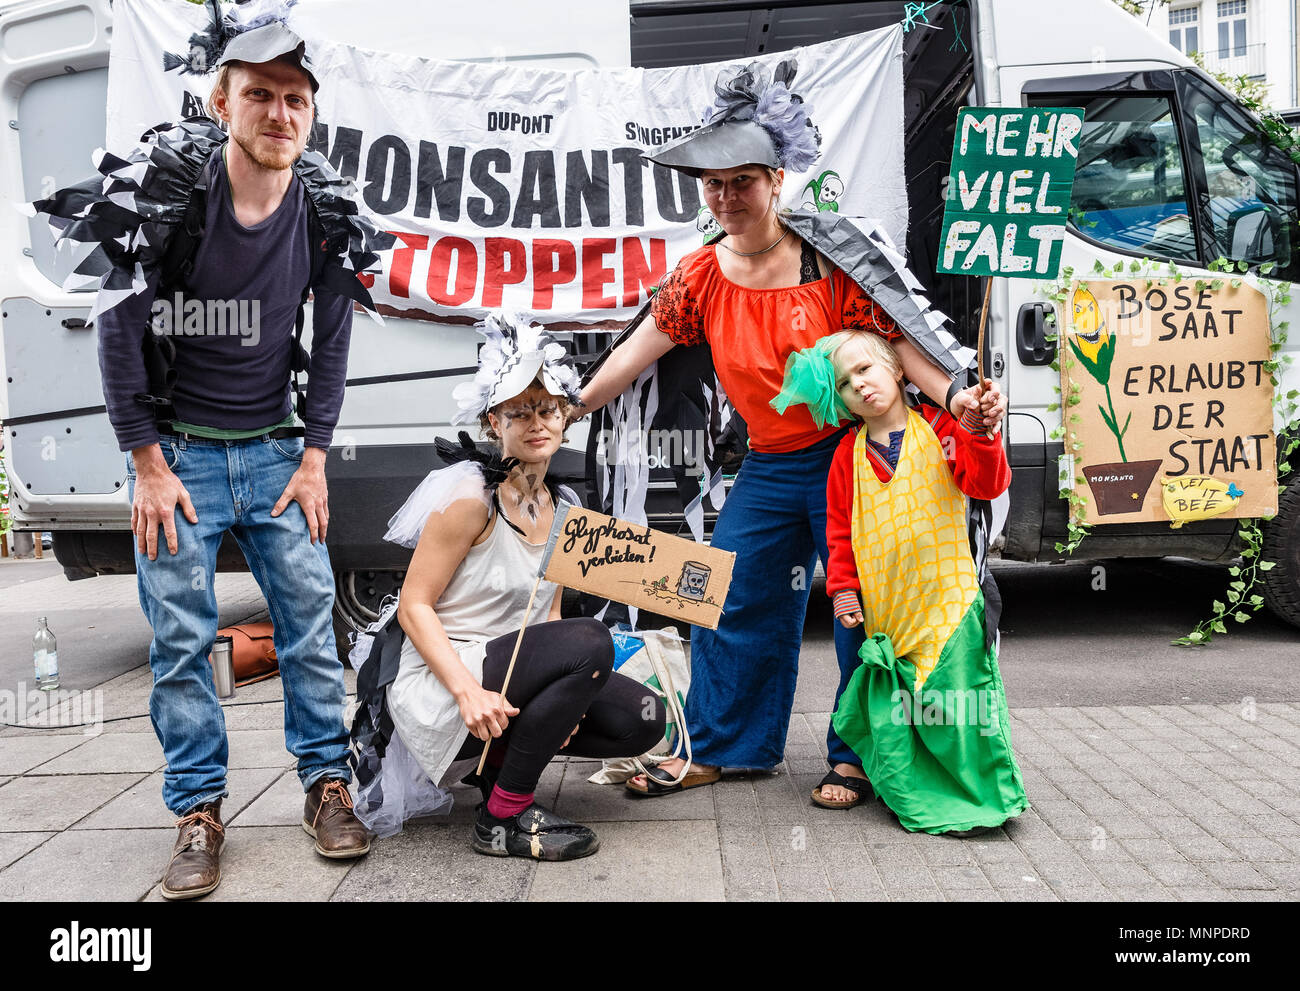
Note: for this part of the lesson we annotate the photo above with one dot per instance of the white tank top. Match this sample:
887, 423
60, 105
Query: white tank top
488, 593
485, 599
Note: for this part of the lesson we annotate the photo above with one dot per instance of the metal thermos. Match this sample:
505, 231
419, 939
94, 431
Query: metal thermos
223, 667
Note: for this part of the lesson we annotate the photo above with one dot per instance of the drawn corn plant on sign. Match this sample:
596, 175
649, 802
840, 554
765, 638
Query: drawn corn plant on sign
1118, 487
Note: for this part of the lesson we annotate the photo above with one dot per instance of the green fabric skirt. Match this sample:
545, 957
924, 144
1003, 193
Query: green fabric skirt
940, 758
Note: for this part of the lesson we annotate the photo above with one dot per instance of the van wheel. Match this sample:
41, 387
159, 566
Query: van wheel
359, 597
1282, 546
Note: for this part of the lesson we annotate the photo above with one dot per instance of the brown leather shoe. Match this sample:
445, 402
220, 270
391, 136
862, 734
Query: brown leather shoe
327, 816
195, 867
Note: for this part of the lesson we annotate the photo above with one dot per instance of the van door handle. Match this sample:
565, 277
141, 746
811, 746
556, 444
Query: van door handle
1031, 335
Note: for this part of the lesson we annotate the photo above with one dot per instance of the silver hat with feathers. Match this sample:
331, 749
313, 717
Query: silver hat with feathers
755, 118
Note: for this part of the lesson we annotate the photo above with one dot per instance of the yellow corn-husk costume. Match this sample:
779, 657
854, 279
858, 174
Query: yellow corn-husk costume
926, 711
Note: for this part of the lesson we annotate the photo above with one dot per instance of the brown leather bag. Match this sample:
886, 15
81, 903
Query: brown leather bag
253, 650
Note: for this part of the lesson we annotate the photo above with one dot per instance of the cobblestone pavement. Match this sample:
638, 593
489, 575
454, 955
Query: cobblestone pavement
1133, 803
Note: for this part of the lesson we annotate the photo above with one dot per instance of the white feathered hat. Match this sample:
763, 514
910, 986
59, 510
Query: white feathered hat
514, 355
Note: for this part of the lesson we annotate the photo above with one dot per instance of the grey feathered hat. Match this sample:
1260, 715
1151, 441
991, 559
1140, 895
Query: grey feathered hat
755, 118
253, 31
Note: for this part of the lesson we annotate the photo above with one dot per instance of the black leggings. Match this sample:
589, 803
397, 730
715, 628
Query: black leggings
565, 670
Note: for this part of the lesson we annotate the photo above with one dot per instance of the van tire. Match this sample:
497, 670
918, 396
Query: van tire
1282, 547
342, 638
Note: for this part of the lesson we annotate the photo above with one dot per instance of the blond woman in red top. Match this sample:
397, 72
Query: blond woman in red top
755, 296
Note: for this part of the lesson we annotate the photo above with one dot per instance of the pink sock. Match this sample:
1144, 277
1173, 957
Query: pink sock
503, 804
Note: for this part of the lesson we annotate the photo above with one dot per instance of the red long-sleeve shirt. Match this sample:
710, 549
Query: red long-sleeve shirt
978, 464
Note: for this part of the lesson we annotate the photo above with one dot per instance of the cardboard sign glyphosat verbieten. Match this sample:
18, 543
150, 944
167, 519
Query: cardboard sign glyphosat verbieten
637, 565
1175, 414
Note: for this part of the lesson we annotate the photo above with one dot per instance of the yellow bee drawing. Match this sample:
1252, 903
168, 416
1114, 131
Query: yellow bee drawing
1197, 497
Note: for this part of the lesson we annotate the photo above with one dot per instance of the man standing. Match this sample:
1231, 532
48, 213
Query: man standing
213, 445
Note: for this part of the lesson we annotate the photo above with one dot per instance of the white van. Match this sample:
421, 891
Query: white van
1159, 135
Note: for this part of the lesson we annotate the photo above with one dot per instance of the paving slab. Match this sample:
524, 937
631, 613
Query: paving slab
90, 865
19, 754
734, 802
640, 861
1177, 874
972, 895
896, 854
16, 845
899, 893
273, 864
129, 724
747, 870
952, 878
263, 716
278, 804
434, 862
1143, 893
111, 753
1236, 876
141, 806
34, 804
582, 801
795, 884
1012, 876
1285, 873
905, 877
1263, 896
258, 748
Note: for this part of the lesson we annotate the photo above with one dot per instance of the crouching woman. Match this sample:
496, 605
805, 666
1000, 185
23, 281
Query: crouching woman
482, 526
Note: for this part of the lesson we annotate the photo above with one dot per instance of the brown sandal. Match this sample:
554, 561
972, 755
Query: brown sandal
855, 785
660, 782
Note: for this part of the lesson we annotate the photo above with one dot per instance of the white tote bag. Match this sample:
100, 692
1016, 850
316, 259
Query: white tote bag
659, 664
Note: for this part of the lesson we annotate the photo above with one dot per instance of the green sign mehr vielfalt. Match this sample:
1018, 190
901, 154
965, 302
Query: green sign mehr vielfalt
1009, 191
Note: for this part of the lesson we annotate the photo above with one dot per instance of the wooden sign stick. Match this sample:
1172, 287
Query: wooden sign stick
979, 342
528, 611
984, 316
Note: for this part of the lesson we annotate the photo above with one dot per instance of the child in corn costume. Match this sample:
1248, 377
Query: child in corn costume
926, 710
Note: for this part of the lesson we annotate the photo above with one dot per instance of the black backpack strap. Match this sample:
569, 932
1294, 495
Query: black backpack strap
177, 265
178, 261
318, 244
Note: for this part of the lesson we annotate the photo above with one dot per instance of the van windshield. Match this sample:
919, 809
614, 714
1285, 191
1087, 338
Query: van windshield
1131, 183
1251, 184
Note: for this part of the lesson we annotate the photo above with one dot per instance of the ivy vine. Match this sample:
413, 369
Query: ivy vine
1241, 598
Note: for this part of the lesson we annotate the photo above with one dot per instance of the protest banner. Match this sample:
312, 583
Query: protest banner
1172, 389
523, 187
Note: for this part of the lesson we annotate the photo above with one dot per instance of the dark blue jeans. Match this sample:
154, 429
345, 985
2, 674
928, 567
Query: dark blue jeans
743, 674
233, 486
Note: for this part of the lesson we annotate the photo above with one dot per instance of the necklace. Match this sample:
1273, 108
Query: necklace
760, 251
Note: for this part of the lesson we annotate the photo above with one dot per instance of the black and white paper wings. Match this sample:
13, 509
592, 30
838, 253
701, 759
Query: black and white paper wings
131, 207
862, 249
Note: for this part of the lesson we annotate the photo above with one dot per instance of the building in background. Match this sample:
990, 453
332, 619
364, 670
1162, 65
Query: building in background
1255, 38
